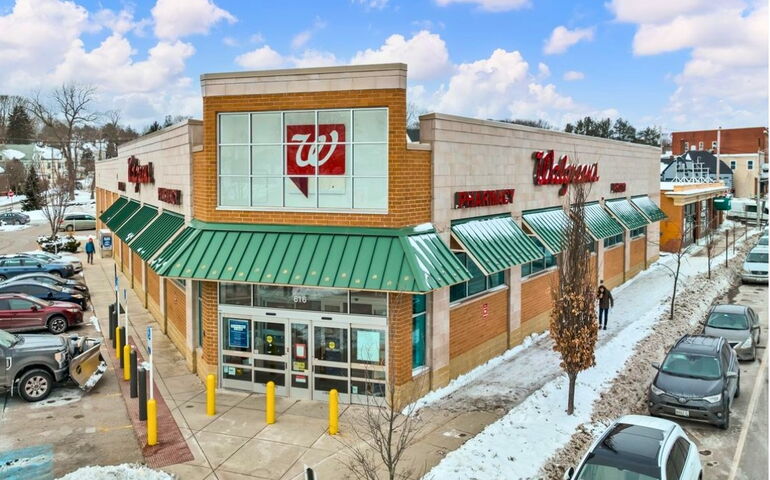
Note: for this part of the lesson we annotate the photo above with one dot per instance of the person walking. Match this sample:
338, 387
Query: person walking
90, 250
604, 296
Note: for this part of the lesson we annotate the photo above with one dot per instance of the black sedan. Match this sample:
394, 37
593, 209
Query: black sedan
45, 292
49, 279
14, 218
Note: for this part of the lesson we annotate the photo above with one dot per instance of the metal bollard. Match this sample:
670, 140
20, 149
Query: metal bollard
270, 403
334, 409
211, 401
152, 422
127, 362
121, 338
141, 380
113, 322
132, 366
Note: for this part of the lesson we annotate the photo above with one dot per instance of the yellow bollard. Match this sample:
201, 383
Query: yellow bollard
270, 403
127, 362
152, 422
117, 343
211, 402
334, 409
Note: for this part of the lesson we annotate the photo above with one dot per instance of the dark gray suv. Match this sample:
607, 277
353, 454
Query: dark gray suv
698, 380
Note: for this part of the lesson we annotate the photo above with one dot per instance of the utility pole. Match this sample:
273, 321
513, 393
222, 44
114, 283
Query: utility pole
719, 148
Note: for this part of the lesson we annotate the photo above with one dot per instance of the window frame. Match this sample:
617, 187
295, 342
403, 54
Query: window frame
638, 232
616, 240
416, 370
545, 259
487, 288
750, 165
285, 177
733, 164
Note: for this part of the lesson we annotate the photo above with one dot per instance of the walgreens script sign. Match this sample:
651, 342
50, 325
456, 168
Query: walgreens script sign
308, 155
549, 172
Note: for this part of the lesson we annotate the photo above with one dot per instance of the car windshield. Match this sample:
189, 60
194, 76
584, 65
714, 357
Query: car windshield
692, 366
598, 471
728, 321
757, 257
7, 339
762, 241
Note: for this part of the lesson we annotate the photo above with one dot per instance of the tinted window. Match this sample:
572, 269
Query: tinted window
676, 459
19, 304
12, 262
692, 365
728, 321
756, 257
4, 305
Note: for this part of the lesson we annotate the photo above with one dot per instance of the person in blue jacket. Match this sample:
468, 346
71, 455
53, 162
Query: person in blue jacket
90, 250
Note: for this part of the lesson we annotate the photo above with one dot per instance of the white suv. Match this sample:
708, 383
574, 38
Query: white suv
640, 448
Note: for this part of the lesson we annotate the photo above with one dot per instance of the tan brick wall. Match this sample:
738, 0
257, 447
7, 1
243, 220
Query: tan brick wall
637, 256
153, 295
125, 260
536, 300
613, 266
210, 323
409, 171
175, 309
400, 337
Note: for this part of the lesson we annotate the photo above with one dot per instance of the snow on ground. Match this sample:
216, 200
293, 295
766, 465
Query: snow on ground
533, 390
13, 228
81, 203
117, 472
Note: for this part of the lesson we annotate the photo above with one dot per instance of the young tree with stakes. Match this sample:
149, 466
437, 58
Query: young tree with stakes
574, 327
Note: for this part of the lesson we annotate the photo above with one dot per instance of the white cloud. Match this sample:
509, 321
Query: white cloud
260, 58
373, 4
425, 54
179, 18
299, 40
573, 75
724, 81
490, 5
230, 41
562, 38
257, 38
543, 70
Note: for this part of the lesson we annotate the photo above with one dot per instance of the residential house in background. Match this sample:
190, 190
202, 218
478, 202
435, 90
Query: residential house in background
695, 167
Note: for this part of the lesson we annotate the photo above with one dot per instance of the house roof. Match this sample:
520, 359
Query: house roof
708, 159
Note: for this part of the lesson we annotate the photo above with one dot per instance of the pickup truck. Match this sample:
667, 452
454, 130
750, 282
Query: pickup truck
30, 365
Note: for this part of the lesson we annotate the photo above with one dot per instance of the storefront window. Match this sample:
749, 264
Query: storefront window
477, 284
235, 294
317, 159
419, 317
613, 240
548, 260
369, 303
368, 346
638, 232
331, 344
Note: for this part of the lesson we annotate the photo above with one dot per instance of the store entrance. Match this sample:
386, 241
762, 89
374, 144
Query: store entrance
304, 358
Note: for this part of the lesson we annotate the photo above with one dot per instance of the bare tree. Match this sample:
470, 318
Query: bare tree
710, 237
413, 112
574, 328
54, 201
683, 248
68, 109
388, 428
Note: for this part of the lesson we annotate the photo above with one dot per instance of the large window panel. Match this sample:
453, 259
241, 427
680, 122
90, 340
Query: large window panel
334, 192
266, 128
300, 192
370, 193
370, 160
234, 191
234, 160
370, 126
234, 128
267, 160
266, 191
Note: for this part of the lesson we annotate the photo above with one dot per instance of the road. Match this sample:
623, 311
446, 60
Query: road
717, 447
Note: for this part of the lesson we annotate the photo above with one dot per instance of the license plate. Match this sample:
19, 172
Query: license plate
681, 413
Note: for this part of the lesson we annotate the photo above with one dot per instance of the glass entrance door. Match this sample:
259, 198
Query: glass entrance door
270, 355
300, 360
331, 362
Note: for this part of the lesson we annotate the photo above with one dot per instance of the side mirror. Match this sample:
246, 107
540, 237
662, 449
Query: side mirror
34, 308
655, 365
731, 374
39, 265
569, 473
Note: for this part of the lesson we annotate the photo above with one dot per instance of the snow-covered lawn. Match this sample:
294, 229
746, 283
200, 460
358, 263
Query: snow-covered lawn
536, 425
13, 228
117, 472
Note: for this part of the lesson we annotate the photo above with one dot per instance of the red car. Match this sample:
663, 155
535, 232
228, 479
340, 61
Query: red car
21, 312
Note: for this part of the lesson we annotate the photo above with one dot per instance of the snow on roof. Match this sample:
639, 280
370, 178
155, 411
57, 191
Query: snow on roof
48, 152
668, 187
12, 154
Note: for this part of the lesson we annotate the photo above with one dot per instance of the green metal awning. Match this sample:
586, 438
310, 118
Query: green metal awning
600, 223
113, 209
626, 213
122, 215
549, 225
136, 223
495, 243
157, 234
648, 208
400, 260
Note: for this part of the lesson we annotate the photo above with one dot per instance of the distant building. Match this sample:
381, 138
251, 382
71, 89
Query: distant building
695, 167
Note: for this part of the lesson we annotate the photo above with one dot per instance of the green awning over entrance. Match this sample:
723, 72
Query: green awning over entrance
600, 223
626, 213
113, 209
122, 215
495, 243
648, 208
549, 225
398, 260
136, 223
157, 234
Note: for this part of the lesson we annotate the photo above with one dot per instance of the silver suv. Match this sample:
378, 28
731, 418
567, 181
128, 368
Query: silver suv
739, 325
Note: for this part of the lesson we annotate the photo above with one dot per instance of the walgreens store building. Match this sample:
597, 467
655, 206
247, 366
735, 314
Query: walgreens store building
297, 235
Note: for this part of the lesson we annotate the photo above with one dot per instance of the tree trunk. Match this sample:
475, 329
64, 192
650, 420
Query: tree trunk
709, 266
571, 395
676, 283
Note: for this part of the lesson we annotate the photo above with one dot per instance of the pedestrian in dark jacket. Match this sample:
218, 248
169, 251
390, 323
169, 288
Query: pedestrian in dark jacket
90, 250
604, 296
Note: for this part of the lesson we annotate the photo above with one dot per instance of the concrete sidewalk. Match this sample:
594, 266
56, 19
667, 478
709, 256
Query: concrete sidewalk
236, 443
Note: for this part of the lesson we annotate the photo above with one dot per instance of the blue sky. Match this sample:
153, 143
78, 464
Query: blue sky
655, 62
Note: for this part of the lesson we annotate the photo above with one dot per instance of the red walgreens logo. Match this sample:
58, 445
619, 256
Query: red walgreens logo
306, 155
549, 172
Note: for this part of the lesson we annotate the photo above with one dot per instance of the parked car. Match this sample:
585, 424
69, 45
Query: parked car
698, 380
77, 221
49, 279
34, 362
762, 241
14, 218
21, 312
739, 325
755, 266
76, 263
12, 265
45, 292
640, 448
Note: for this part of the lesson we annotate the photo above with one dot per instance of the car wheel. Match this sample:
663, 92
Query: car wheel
725, 419
69, 228
3, 278
57, 324
35, 385
55, 272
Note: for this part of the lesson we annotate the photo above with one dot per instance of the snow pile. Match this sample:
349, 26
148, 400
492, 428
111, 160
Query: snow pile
13, 228
117, 472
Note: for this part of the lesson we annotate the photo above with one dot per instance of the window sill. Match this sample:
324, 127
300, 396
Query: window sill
541, 272
478, 296
420, 371
301, 210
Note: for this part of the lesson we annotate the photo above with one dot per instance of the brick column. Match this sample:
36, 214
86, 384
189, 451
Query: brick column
400, 338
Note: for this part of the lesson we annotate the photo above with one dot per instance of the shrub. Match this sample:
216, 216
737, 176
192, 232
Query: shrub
57, 244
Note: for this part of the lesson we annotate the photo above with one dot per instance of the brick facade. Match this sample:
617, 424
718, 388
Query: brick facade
537, 301
734, 140
637, 256
613, 266
176, 314
400, 338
